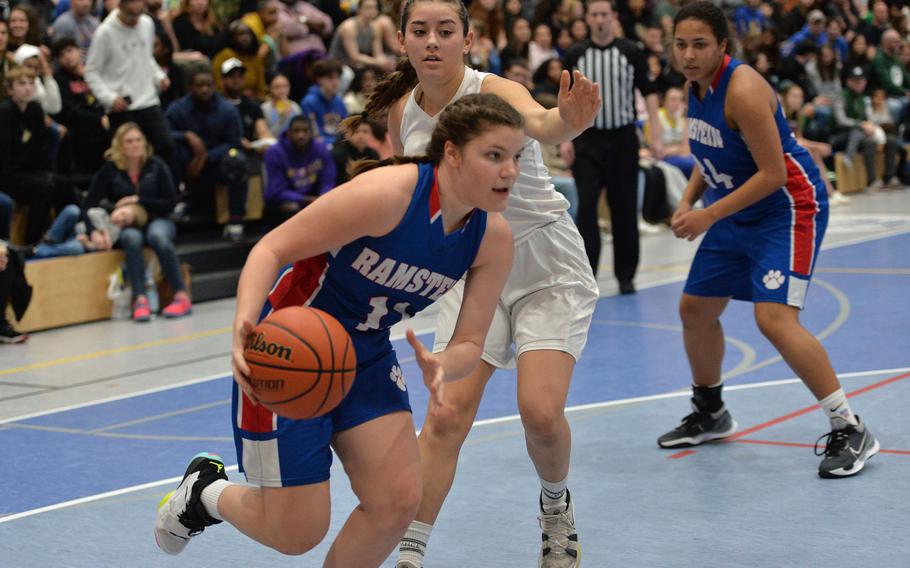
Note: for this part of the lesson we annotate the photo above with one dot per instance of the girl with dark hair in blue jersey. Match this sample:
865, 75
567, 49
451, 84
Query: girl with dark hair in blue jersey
765, 214
376, 250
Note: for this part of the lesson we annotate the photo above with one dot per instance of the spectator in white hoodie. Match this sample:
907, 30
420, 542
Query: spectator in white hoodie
124, 76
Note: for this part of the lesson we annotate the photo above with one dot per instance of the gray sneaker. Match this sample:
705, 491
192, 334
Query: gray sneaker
559, 548
846, 451
181, 514
699, 427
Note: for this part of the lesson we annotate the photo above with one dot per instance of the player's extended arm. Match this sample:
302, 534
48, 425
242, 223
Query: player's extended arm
576, 111
483, 286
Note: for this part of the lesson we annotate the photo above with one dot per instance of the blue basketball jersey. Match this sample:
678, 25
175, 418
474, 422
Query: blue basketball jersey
726, 163
374, 282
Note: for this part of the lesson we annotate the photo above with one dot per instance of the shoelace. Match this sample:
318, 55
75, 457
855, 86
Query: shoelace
696, 417
558, 528
835, 442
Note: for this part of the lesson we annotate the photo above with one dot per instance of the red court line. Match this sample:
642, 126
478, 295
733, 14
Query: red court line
796, 445
798, 413
682, 454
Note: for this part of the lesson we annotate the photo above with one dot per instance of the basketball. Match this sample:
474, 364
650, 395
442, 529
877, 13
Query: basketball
302, 362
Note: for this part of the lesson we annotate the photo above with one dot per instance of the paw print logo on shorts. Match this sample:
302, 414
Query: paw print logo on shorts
398, 378
773, 279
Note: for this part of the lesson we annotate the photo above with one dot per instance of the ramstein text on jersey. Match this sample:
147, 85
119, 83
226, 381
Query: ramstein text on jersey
401, 276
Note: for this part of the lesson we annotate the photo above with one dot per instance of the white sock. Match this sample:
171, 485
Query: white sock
838, 410
414, 543
553, 493
211, 494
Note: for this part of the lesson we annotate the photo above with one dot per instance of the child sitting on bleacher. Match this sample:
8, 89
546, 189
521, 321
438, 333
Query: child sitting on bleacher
67, 235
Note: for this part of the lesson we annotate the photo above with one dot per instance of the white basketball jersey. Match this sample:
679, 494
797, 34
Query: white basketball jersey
533, 202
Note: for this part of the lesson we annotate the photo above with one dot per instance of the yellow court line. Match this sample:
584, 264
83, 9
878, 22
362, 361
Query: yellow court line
116, 350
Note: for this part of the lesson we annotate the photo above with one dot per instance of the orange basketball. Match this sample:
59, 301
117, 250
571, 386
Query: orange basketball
302, 362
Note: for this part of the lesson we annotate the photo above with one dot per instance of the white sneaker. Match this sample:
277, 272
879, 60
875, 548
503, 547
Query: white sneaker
559, 548
837, 198
181, 514
233, 232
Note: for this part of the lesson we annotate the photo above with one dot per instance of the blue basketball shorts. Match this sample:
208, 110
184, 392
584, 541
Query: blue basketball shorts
770, 259
274, 451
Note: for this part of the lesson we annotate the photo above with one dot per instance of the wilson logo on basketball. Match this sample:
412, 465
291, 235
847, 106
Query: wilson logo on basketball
258, 343
268, 385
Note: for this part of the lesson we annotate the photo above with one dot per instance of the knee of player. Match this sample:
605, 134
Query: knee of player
542, 417
398, 506
692, 313
449, 427
775, 319
294, 542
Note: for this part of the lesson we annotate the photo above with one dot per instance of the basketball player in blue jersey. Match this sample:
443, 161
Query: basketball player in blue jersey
372, 252
765, 214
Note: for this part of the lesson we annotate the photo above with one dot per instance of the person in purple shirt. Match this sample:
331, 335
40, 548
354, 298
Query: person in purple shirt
298, 169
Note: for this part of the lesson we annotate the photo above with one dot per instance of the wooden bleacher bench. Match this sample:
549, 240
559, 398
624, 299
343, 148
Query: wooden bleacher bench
68, 290
853, 179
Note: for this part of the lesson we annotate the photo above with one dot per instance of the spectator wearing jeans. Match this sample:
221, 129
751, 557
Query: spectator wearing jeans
124, 76
67, 236
134, 176
207, 131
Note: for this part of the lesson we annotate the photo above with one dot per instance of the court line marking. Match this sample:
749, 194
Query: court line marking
799, 445
843, 312
223, 330
798, 413
114, 351
748, 352
489, 421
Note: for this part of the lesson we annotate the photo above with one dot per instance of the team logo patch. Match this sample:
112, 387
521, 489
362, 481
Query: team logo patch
397, 377
773, 279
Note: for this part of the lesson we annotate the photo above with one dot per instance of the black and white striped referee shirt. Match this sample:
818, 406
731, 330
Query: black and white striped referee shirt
619, 67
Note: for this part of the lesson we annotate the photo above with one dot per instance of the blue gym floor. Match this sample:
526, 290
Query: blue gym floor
79, 487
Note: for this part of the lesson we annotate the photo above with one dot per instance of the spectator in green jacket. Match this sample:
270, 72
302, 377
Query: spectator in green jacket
889, 73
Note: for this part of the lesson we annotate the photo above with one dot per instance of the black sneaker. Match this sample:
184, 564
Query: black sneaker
10, 335
559, 547
181, 514
626, 287
846, 451
699, 427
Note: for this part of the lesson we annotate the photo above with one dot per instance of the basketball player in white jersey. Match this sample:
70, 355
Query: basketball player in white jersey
547, 304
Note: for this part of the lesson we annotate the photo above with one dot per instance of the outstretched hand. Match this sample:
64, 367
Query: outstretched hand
580, 103
431, 367
238, 361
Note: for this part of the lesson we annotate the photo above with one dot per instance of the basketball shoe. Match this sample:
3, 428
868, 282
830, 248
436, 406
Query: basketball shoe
559, 548
181, 514
699, 427
846, 451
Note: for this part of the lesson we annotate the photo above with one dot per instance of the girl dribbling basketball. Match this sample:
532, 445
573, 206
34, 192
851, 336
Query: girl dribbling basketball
375, 251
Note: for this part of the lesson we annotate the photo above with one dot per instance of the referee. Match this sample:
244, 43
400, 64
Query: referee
606, 155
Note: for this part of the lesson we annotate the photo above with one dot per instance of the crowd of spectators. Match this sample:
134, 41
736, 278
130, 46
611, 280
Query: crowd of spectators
222, 90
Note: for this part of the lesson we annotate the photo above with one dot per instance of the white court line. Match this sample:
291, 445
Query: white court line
487, 422
394, 337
